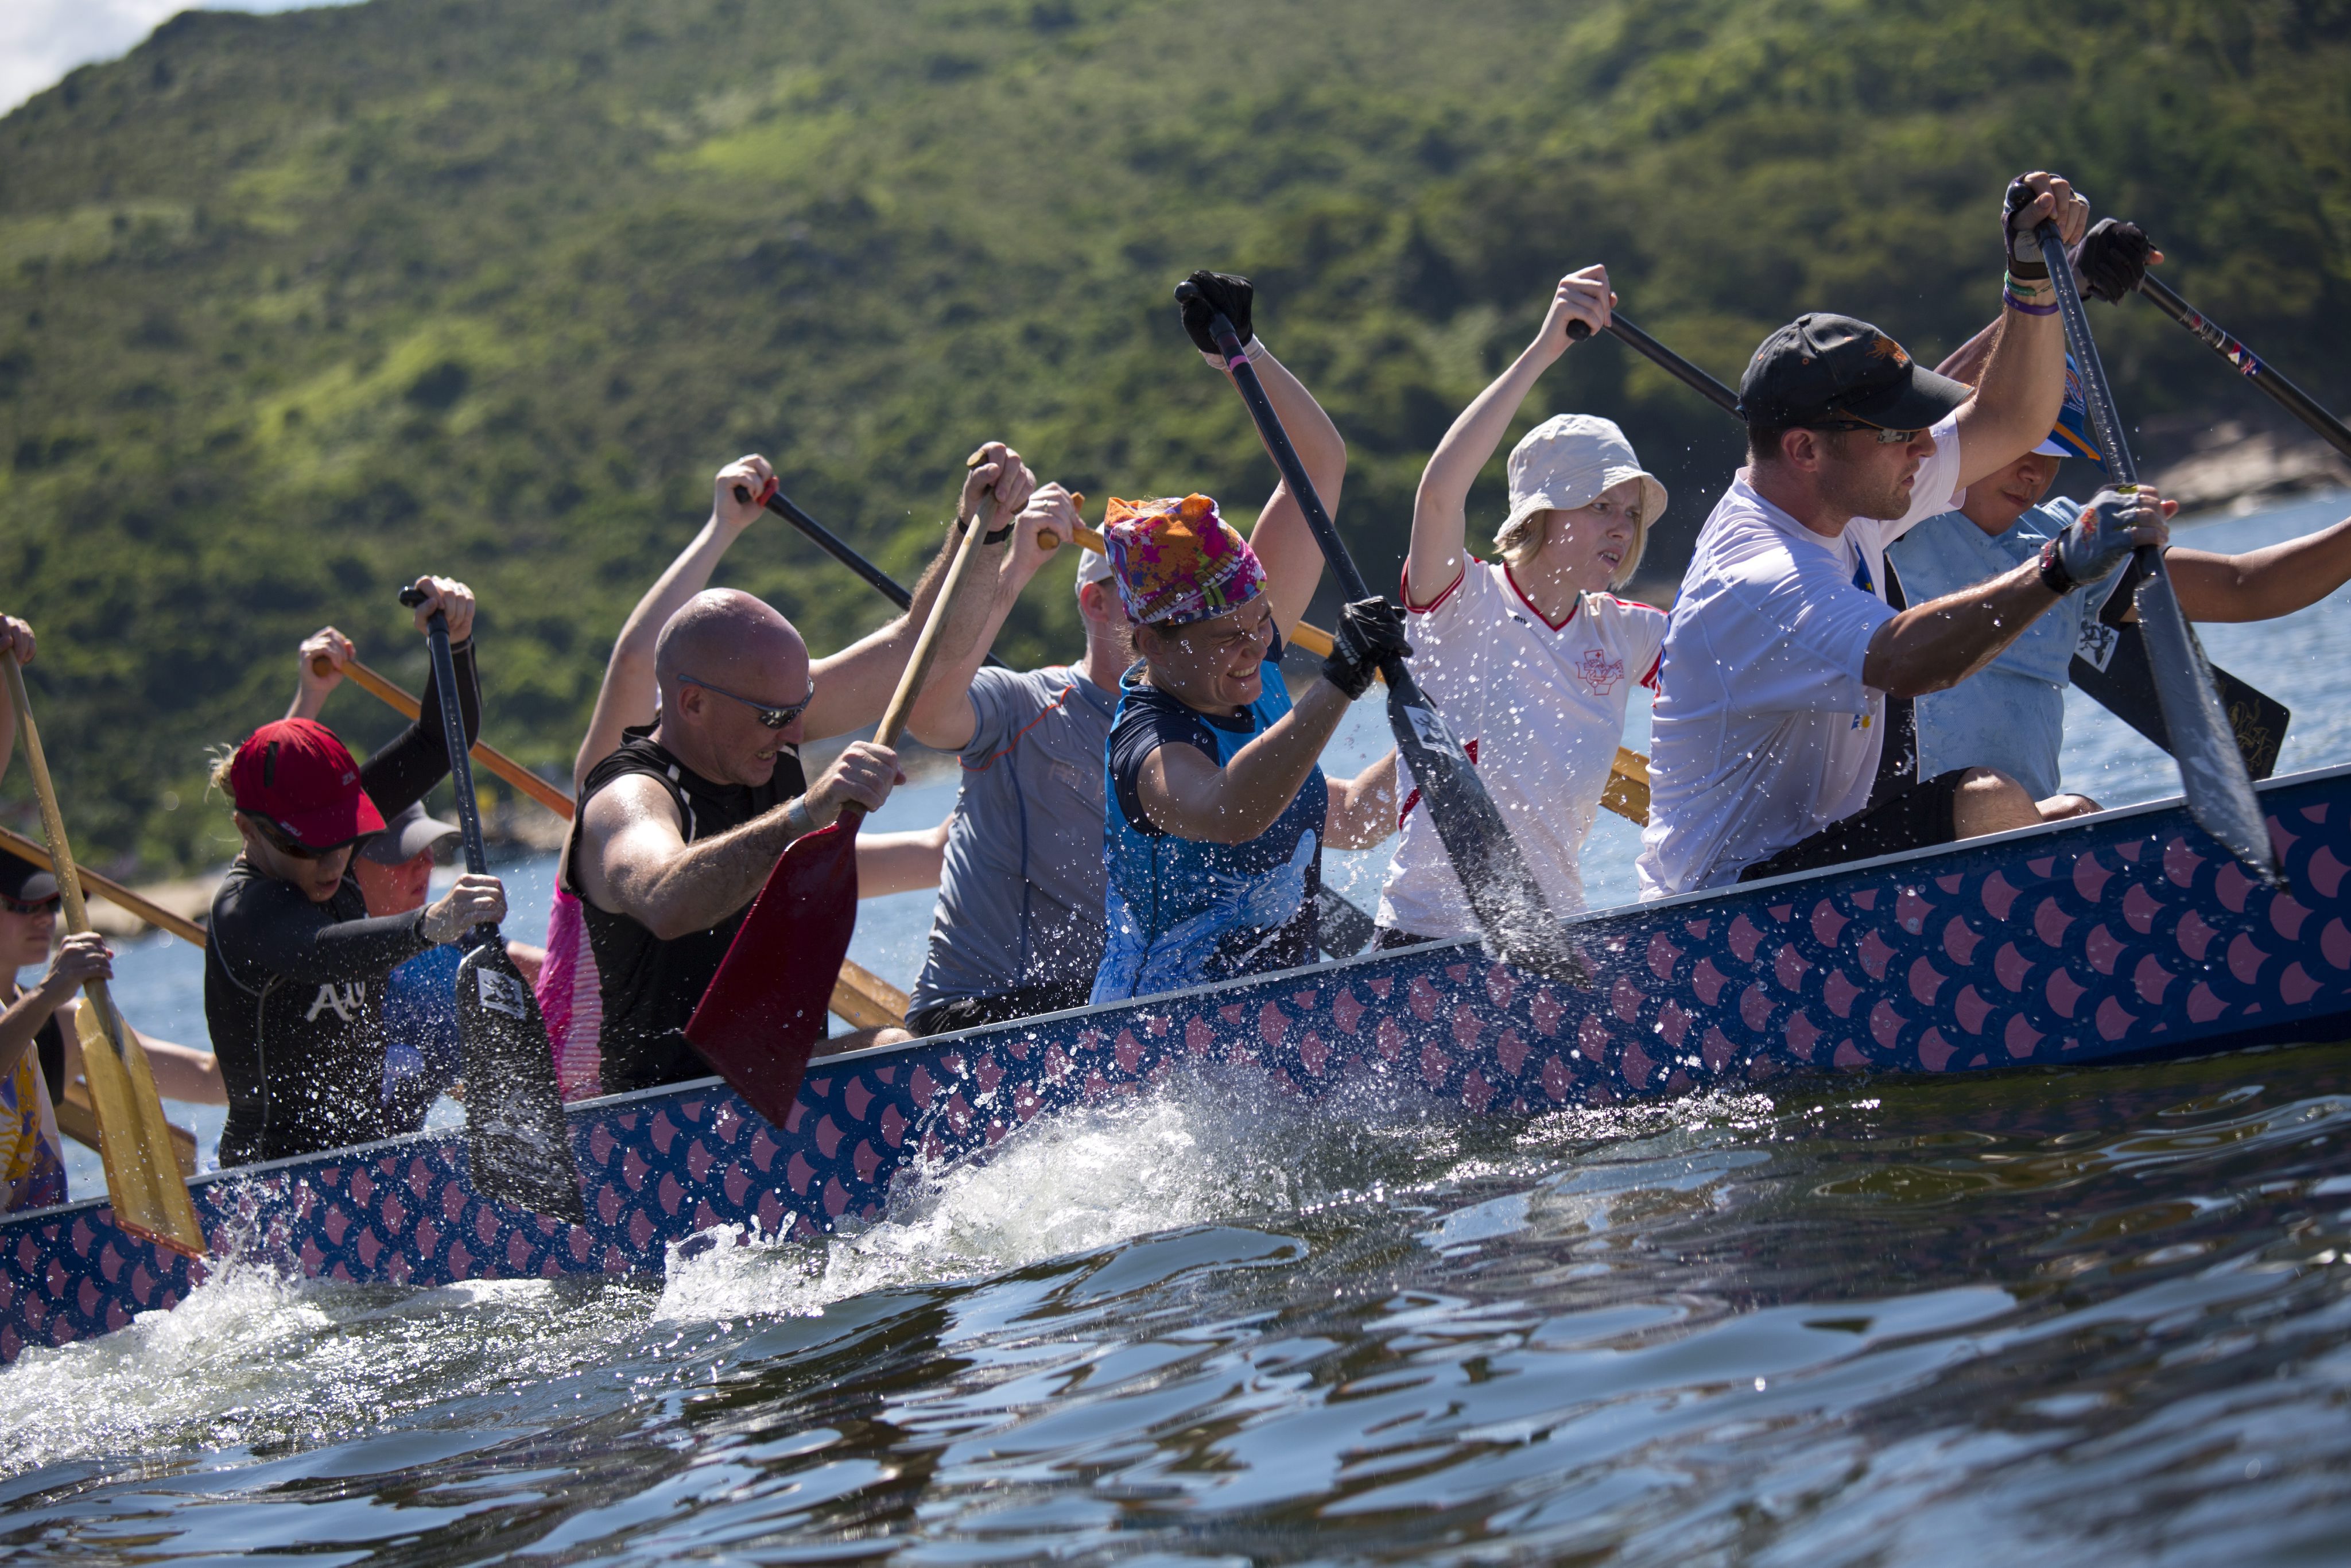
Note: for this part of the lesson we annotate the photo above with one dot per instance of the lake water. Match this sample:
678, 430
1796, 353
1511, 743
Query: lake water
2029, 1319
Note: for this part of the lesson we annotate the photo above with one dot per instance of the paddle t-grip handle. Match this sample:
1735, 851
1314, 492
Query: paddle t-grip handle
1578, 330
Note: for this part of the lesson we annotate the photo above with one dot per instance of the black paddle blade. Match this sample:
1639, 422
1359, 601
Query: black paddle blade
515, 1137
2212, 773
2112, 670
1521, 929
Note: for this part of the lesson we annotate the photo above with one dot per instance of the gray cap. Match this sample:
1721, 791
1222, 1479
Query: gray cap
406, 835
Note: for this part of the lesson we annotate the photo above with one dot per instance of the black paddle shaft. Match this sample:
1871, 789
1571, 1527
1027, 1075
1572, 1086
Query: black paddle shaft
1665, 359
2248, 365
1518, 920
2212, 772
518, 1145
833, 545
453, 734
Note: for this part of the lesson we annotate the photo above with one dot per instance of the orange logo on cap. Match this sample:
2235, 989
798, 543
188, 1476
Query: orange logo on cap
1886, 347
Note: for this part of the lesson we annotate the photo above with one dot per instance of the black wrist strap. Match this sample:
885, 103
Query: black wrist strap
2054, 575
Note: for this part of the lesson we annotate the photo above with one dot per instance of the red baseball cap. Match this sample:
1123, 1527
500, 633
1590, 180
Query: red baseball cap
295, 776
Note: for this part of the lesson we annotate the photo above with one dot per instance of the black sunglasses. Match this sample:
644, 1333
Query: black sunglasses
773, 717
39, 906
288, 847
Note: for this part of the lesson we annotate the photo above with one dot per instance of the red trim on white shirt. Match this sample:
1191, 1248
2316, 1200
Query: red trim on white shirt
1559, 626
1404, 586
1650, 680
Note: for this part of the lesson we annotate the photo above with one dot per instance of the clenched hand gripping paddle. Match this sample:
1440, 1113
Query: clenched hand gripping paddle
2118, 678
516, 1143
760, 1018
2213, 770
143, 1177
1519, 923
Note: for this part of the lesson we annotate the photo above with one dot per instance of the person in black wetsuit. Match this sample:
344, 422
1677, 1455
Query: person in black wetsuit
680, 826
293, 977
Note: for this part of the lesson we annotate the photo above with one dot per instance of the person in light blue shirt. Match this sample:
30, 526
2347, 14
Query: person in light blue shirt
2011, 714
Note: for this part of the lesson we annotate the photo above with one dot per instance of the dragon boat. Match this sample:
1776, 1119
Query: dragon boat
2129, 934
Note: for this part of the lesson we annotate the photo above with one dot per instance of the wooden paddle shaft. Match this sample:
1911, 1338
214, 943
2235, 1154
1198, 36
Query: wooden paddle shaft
926, 644
60, 857
408, 706
142, 1172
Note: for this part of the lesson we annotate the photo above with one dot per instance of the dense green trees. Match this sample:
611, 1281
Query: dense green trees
294, 307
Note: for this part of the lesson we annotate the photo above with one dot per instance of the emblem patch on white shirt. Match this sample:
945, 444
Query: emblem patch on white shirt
1599, 673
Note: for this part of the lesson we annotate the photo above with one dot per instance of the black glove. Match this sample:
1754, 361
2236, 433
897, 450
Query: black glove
1218, 291
1369, 631
2111, 259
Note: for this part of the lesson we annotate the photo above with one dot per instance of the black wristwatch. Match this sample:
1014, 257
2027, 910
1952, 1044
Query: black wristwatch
2054, 575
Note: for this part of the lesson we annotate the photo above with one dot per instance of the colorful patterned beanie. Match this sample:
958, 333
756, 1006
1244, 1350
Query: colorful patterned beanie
1177, 561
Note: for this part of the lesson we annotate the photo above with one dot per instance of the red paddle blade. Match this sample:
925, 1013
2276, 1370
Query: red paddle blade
765, 1011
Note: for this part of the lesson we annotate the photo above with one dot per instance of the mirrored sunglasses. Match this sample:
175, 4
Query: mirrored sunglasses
773, 717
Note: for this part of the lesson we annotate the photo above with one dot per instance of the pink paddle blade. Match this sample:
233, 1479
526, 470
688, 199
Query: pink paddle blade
765, 1011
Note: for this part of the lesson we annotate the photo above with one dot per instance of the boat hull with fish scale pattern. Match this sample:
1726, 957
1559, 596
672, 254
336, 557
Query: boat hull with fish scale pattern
2129, 934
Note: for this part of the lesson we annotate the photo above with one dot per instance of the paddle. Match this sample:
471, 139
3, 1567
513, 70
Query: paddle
2119, 679
517, 1142
143, 1176
2213, 770
2250, 365
407, 706
833, 545
1518, 921
760, 1018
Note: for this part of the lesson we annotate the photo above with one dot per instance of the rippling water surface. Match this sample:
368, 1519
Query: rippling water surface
2025, 1318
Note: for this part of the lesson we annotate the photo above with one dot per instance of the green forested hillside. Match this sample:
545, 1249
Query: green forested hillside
294, 307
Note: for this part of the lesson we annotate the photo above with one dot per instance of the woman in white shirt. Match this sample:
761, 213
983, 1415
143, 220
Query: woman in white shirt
1531, 657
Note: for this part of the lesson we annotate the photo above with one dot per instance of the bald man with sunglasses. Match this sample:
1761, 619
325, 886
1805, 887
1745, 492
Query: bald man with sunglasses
679, 827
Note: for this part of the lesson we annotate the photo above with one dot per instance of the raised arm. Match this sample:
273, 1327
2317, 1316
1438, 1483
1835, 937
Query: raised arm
1284, 544
2024, 379
853, 685
2262, 584
942, 718
1440, 519
629, 694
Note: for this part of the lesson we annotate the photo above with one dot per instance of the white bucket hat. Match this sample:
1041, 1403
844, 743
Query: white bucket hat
1566, 461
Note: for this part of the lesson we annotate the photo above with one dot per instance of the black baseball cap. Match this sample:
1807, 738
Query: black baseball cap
25, 881
1821, 370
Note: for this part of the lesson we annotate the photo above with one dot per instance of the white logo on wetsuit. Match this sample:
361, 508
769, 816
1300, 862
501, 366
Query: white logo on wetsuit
346, 1000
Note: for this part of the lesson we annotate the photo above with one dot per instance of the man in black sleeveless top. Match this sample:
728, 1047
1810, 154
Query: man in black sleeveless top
679, 828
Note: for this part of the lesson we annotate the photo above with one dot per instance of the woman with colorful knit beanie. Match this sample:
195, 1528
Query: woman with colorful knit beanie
1219, 810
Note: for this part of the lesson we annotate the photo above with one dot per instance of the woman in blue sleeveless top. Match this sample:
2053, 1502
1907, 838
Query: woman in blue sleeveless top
1218, 810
